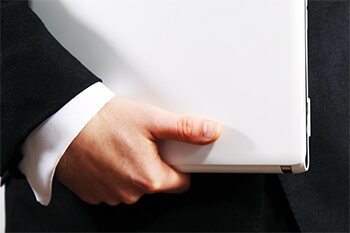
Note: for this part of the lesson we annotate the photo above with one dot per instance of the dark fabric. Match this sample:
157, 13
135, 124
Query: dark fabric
233, 202
215, 202
320, 197
275, 214
38, 76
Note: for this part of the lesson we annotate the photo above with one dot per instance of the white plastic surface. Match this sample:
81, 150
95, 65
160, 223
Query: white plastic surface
2, 209
240, 62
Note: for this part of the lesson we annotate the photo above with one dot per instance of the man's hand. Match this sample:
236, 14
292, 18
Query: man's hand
114, 159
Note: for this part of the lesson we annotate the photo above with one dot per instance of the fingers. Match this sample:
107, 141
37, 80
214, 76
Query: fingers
163, 179
184, 128
113, 160
169, 181
160, 177
128, 194
174, 181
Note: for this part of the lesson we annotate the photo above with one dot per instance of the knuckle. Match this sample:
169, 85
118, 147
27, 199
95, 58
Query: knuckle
185, 186
150, 186
184, 127
153, 187
131, 199
113, 202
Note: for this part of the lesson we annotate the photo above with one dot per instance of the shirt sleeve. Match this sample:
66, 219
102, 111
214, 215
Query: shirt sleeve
44, 147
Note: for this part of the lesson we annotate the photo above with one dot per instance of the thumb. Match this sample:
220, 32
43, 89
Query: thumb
185, 128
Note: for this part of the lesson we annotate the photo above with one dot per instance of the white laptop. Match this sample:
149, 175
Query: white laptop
240, 62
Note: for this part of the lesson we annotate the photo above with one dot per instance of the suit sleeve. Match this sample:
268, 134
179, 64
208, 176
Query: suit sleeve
38, 77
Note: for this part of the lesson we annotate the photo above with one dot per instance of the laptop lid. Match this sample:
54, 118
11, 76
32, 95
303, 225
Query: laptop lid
240, 62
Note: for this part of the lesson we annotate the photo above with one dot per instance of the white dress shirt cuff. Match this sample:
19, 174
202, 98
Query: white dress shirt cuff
44, 147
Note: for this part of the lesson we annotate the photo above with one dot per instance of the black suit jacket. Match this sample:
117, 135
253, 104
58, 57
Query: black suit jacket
38, 77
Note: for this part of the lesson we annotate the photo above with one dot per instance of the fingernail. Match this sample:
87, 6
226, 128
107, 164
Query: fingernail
209, 129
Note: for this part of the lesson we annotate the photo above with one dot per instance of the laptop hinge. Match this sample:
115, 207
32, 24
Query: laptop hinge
286, 169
